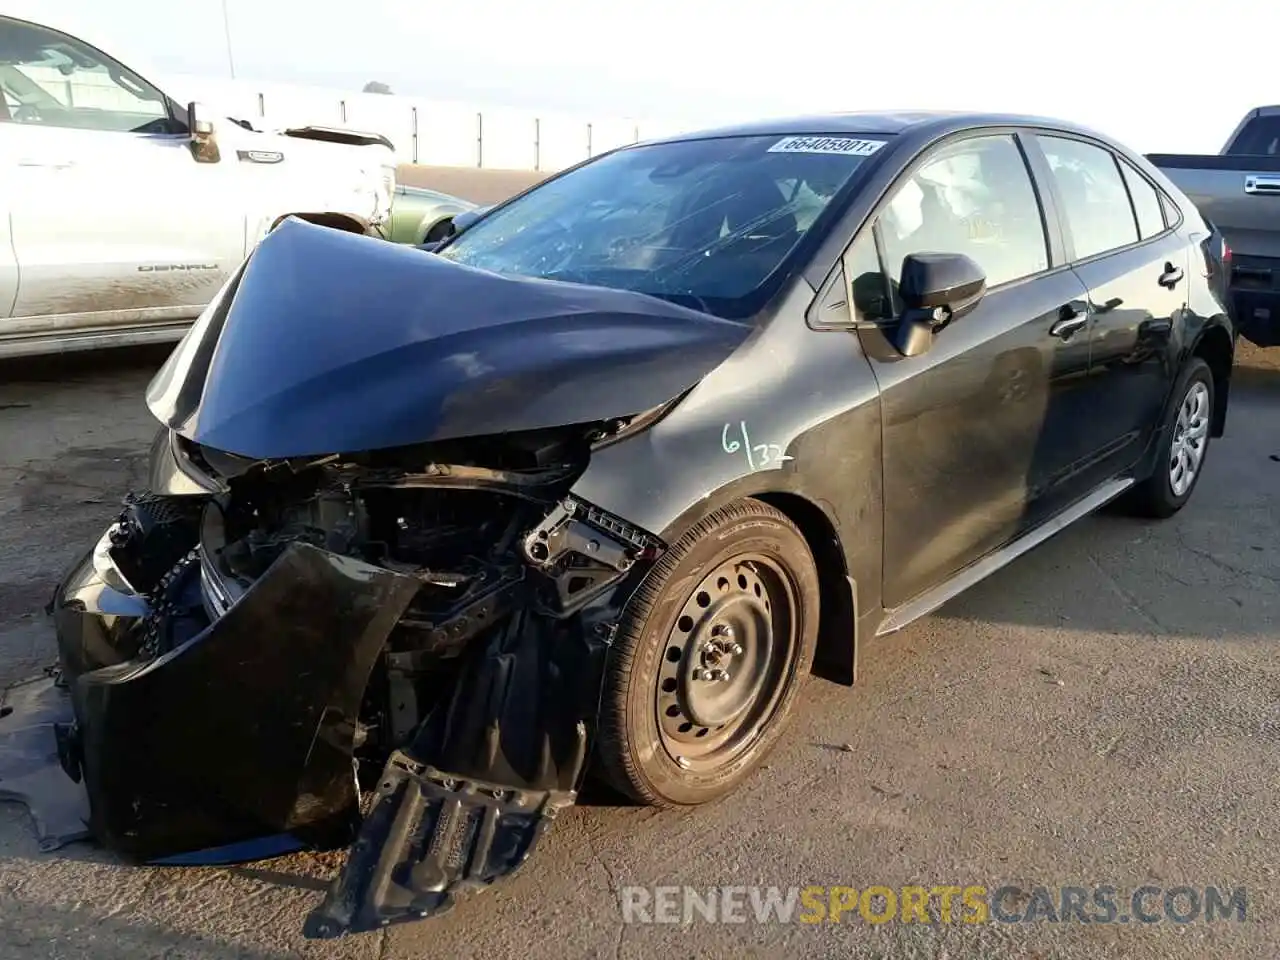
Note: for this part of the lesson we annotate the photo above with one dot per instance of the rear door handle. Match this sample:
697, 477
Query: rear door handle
1171, 276
1071, 317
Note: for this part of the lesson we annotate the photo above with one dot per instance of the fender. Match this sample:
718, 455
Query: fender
789, 399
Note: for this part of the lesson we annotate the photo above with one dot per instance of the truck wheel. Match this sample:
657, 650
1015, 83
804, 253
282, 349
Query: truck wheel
1183, 446
708, 658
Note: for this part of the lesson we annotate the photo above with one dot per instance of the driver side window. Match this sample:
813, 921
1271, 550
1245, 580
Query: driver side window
52, 80
972, 197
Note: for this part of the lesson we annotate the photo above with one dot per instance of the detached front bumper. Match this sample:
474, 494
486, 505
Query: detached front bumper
243, 731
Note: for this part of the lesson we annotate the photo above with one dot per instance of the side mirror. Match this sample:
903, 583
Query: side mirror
936, 289
204, 140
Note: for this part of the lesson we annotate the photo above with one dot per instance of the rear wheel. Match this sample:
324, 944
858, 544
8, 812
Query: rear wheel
709, 657
1183, 446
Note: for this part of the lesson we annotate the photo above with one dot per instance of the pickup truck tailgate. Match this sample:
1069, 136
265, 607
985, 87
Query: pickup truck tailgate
1239, 194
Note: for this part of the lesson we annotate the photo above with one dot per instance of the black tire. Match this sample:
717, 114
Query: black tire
743, 578
1156, 497
438, 230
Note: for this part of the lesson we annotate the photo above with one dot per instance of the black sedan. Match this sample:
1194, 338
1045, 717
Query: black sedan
597, 482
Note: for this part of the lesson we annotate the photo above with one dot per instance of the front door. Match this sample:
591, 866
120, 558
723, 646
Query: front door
108, 219
974, 443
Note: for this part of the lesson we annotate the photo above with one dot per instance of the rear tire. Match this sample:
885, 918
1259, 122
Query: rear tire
708, 658
1184, 446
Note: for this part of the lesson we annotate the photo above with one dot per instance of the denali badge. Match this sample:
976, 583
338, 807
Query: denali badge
260, 156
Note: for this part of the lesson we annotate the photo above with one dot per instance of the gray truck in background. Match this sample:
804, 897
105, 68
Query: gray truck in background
1238, 192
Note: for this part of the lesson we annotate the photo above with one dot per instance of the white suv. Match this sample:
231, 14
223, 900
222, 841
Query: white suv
123, 210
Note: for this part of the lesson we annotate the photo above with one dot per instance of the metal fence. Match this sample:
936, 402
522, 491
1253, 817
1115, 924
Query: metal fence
429, 131
442, 132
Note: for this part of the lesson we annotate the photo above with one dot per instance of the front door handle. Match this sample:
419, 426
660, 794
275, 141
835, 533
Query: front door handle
1071, 317
1171, 276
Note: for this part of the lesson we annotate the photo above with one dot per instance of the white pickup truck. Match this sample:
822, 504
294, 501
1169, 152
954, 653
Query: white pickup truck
123, 209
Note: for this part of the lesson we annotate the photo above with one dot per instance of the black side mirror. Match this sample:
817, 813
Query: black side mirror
936, 289
466, 219
457, 224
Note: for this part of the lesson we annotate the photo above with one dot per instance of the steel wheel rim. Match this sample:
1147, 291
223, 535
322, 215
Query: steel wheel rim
740, 619
1190, 437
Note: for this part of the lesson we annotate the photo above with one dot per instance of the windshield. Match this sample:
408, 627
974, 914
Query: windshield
705, 223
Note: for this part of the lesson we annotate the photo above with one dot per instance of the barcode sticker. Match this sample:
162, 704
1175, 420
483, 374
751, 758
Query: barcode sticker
849, 146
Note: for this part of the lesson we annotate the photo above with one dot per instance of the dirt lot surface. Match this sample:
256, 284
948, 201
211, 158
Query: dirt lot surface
479, 186
1104, 711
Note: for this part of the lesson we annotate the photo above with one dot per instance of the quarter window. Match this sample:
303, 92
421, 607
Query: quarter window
1093, 194
1146, 202
973, 197
868, 289
52, 80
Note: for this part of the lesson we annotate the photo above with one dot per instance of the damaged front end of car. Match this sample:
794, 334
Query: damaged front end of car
418, 635
286, 644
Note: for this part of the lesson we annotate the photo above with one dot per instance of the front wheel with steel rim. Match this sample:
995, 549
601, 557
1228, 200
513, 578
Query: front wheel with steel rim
1183, 446
708, 657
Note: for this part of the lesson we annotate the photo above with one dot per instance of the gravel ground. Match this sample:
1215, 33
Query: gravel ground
1104, 711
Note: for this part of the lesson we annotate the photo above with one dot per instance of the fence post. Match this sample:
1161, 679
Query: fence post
537, 143
589, 154
262, 104
342, 110
479, 139
413, 119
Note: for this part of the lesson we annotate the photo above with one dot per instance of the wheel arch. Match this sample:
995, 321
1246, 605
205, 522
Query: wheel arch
1217, 348
431, 221
836, 656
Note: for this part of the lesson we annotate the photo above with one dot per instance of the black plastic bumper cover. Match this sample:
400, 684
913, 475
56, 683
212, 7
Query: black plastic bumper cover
465, 803
247, 729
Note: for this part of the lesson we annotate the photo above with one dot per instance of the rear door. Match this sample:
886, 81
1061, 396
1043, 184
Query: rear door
976, 429
1135, 267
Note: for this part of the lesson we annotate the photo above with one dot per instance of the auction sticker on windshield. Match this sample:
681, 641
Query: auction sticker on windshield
849, 146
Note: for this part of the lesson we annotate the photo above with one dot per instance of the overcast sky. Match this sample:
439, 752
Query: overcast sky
1142, 70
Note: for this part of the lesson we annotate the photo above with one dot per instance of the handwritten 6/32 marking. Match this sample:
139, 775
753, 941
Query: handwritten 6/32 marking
758, 455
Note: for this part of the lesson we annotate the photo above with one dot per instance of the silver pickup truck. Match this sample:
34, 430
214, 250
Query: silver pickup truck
1238, 192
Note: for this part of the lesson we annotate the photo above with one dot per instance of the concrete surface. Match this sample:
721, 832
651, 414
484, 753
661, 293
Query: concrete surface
1103, 711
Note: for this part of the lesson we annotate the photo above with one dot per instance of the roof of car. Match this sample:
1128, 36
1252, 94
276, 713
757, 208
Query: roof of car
884, 122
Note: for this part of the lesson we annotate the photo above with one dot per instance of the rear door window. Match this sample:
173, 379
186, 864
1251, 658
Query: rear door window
1093, 194
1146, 202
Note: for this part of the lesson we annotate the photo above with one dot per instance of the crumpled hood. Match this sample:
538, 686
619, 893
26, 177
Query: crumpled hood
330, 342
